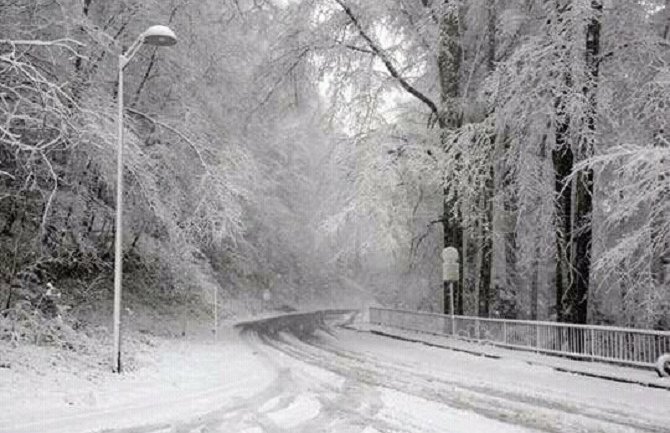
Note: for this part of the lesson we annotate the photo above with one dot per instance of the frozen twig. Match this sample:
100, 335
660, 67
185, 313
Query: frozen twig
176, 131
65, 43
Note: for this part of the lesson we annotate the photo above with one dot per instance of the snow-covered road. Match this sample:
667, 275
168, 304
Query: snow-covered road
326, 378
338, 380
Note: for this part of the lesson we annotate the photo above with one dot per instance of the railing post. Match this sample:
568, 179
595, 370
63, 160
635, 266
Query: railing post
593, 344
451, 308
505, 332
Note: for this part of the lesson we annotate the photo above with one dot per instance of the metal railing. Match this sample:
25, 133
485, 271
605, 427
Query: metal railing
637, 347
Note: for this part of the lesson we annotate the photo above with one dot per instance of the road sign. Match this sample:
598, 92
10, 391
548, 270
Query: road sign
450, 268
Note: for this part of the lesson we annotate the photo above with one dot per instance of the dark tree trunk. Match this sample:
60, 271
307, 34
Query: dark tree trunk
486, 294
584, 180
84, 9
563, 162
449, 66
574, 199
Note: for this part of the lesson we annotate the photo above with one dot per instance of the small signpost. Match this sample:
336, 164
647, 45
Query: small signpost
267, 297
215, 313
450, 274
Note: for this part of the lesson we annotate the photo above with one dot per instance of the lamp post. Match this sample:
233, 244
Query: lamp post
154, 35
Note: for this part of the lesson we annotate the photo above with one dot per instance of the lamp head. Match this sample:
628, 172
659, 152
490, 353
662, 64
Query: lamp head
160, 36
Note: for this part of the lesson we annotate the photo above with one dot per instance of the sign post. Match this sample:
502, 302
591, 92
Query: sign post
215, 312
267, 297
450, 274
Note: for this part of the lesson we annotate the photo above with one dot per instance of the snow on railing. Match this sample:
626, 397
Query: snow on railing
638, 347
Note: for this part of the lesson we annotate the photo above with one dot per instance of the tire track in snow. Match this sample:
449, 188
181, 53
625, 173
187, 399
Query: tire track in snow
323, 386
533, 412
302, 398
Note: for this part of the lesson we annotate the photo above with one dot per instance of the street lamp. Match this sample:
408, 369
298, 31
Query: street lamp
155, 35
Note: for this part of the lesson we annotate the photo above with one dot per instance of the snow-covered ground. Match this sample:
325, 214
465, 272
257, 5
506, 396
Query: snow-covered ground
175, 380
336, 380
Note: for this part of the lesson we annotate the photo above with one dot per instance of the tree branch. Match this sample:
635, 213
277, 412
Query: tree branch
145, 77
388, 64
65, 43
176, 131
47, 206
359, 49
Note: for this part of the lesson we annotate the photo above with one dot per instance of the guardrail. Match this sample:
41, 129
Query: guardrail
629, 346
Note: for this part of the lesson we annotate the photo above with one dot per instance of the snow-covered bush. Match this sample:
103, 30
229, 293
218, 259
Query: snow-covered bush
663, 365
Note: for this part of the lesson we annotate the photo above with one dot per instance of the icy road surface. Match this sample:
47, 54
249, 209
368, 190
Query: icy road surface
325, 378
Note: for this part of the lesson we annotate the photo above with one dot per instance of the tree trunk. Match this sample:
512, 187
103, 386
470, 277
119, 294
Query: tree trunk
535, 282
584, 180
563, 161
449, 67
484, 255
487, 205
574, 198
498, 273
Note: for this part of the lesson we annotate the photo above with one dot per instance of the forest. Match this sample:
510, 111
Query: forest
328, 150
